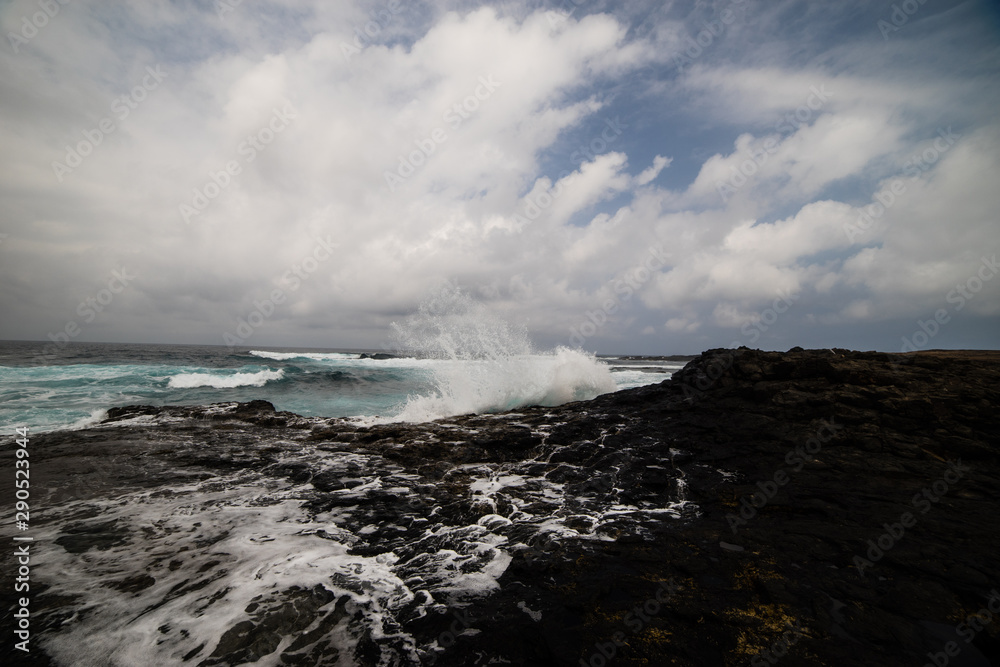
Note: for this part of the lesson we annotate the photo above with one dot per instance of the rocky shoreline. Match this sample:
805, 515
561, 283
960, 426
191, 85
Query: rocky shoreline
810, 507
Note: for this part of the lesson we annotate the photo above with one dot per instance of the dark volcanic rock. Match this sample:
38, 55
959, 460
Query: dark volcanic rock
811, 507
80, 537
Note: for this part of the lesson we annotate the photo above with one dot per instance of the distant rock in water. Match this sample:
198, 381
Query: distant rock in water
377, 355
670, 357
810, 507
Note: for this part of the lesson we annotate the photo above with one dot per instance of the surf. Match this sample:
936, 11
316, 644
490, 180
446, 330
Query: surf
224, 380
486, 364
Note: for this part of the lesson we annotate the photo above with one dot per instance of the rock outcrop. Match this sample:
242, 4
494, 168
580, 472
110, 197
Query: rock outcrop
811, 507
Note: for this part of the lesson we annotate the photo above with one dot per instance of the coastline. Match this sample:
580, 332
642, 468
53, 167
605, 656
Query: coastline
91, 378
740, 507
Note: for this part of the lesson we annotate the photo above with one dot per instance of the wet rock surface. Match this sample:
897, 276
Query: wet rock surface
809, 507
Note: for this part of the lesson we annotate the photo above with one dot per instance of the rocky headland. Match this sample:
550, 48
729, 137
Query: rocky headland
813, 507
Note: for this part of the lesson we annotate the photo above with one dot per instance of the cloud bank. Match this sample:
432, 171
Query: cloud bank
658, 179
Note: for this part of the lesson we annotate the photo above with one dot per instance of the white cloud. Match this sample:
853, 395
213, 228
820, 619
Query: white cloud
649, 174
524, 88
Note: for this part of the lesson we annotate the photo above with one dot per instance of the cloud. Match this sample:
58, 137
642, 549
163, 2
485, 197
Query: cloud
649, 174
533, 159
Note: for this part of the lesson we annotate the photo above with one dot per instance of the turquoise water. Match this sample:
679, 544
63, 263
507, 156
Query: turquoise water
76, 385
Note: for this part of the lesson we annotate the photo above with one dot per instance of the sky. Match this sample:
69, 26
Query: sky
642, 177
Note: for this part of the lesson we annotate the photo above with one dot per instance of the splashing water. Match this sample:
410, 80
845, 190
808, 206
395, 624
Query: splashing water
488, 364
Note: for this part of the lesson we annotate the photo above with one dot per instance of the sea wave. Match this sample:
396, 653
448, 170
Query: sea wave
484, 363
467, 387
224, 381
315, 356
95, 417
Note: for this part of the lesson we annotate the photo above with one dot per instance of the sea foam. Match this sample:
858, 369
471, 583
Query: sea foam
315, 356
224, 381
487, 364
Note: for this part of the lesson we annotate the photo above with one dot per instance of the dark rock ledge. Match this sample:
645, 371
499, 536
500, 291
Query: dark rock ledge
843, 508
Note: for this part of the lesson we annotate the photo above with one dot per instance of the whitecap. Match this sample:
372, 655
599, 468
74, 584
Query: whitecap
224, 381
315, 356
483, 363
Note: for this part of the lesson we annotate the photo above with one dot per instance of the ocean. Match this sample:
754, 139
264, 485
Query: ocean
194, 537
73, 387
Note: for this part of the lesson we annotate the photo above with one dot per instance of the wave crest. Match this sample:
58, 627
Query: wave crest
221, 381
486, 364
467, 387
315, 356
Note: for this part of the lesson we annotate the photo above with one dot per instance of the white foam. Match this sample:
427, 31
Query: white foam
214, 546
94, 417
535, 615
483, 363
315, 356
507, 383
631, 379
224, 381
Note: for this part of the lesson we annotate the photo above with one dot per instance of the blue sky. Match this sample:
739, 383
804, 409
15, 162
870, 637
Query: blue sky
642, 177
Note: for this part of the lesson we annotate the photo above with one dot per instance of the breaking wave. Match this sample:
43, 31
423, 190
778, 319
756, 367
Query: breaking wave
487, 364
224, 381
315, 356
